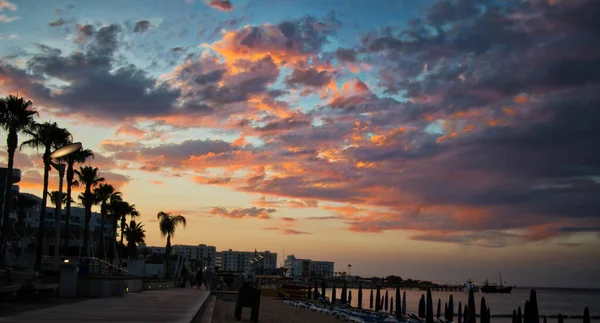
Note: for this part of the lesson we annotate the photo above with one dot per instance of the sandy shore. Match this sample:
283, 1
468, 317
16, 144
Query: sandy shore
271, 311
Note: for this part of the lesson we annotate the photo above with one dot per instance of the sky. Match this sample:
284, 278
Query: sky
431, 139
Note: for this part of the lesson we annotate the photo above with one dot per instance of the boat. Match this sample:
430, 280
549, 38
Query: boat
495, 288
470, 285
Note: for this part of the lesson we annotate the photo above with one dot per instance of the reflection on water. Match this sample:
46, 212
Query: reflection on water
550, 301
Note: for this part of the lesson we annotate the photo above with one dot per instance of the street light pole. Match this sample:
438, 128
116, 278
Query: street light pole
60, 152
61, 174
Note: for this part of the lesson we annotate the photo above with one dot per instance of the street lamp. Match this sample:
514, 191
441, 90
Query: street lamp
60, 152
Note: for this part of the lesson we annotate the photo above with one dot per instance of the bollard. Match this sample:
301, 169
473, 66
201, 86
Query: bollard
68, 281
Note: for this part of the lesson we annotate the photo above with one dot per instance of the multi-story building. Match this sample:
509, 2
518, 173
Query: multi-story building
307, 268
202, 252
242, 261
26, 221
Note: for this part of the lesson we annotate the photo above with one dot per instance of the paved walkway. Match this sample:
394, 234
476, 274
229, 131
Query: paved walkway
178, 305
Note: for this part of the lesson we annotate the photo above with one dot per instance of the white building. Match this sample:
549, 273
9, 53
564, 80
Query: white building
241, 261
307, 268
207, 254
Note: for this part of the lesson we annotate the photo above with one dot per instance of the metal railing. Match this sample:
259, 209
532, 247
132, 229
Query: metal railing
88, 266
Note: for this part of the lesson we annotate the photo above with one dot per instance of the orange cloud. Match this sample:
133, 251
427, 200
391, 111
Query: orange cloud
224, 5
252, 212
521, 99
131, 130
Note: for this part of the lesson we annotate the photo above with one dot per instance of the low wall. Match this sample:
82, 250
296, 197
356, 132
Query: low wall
155, 285
97, 287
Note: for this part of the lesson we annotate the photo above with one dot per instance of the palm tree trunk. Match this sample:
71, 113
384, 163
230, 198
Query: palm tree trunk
11, 143
113, 240
167, 254
68, 208
123, 219
102, 238
40, 236
86, 229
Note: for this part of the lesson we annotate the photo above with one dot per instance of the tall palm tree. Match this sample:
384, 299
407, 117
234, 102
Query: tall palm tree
135, 234
168, 223
124, 209
116, 207
102, 195
16, 115
79, 157
89, 177
48, 136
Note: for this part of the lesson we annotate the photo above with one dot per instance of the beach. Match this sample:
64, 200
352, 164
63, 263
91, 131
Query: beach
271, 311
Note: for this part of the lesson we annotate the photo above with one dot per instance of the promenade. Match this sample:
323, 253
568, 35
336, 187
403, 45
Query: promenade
177, 305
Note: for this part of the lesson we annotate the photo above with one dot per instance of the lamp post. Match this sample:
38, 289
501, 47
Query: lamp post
60, 152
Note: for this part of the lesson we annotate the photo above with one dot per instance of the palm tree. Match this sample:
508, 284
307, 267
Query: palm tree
102, 195
48, 136
89, 177
135, 234
79, 156
121, 210
16, 115
167, 223
22, 203
54, 198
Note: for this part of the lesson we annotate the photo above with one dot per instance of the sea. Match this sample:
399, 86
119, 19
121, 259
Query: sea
551, 301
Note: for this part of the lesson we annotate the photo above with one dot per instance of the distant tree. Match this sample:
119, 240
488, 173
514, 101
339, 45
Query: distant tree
79, 157
391, 305
102, 195
439, 309
377, 298
88, 177
459, 312
560, 318
135, 235
514, 316
168, 223
350, 297
371, 300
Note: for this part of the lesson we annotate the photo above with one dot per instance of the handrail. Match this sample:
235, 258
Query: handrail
96, 266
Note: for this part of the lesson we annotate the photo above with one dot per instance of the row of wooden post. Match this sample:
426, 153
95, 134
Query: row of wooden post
380, 302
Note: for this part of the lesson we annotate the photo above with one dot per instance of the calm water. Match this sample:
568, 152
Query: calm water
550, 301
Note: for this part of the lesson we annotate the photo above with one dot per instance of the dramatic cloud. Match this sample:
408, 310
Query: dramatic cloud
253, 212
308, 77
473, 125
224, 5
57, 22
5, 4
142, 26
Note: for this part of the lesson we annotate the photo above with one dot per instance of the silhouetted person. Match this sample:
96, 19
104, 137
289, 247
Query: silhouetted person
199, 278
184, 273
